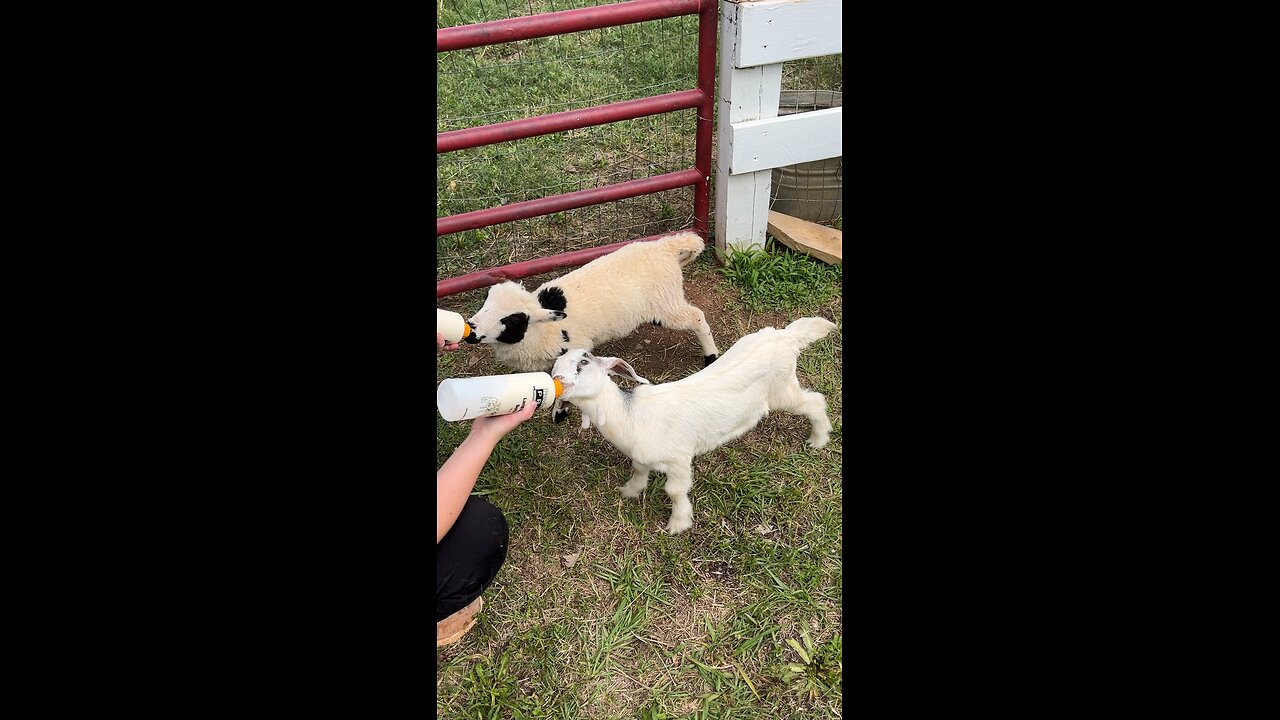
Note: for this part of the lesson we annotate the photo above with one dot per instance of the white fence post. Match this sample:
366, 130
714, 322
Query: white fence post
756, 37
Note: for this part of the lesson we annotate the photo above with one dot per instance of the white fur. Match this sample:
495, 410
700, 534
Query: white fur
663, 427
605, 299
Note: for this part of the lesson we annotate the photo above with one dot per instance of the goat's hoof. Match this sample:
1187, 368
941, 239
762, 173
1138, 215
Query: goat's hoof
629, 493
819, 442
708, 359
677, 526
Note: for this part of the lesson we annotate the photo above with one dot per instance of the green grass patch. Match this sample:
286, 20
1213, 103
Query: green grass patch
482, 86
777, 278
642, 624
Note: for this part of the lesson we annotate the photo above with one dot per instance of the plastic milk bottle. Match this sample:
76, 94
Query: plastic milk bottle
468, 398
451, 325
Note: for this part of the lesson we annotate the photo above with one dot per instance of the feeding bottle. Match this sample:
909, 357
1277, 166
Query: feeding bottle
468, 398
451, 325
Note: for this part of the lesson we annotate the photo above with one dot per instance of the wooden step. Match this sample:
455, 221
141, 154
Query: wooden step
810, 238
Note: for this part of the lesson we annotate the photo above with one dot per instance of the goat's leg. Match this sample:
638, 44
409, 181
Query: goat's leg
690, 318
679, 480
638, 482
812, 405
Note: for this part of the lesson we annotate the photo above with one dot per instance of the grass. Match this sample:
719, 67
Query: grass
546, 75
598, 614
776, 277
515, 80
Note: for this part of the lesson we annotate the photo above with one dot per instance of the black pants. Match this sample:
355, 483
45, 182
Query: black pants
468, 558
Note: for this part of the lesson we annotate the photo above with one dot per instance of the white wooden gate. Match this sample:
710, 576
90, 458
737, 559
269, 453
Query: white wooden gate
756, 37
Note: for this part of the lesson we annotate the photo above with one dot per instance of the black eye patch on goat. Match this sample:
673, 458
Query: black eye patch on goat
513, 328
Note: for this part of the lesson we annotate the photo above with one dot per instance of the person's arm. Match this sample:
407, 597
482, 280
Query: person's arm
455, 480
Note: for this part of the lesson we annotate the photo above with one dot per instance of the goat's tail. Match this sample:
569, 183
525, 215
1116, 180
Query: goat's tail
809, 330
687, 246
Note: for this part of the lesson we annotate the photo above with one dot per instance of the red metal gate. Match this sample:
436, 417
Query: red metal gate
559, 23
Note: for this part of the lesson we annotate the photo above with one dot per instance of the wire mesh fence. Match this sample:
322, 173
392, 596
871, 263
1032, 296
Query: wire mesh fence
814, 190
497, 83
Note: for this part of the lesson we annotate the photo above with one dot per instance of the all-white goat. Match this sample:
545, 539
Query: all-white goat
601, 301
663, 427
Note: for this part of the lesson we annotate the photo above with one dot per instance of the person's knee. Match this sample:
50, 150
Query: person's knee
470, 555
483, 530
486, 522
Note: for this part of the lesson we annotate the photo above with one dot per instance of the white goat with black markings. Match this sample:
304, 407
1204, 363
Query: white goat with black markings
663, 427
603, 300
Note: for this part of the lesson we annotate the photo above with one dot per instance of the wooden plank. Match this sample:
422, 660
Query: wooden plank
742, 201
774, 31
820, 241
780, 141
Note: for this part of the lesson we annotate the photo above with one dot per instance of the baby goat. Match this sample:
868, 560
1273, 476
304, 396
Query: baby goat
601, 301
662, 427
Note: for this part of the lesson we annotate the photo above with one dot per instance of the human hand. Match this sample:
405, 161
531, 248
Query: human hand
495, 427
442, 346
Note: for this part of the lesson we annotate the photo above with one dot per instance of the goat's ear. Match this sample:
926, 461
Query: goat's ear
617, 366
548, 315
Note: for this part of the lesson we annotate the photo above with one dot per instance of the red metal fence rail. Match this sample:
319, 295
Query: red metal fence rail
558, 23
